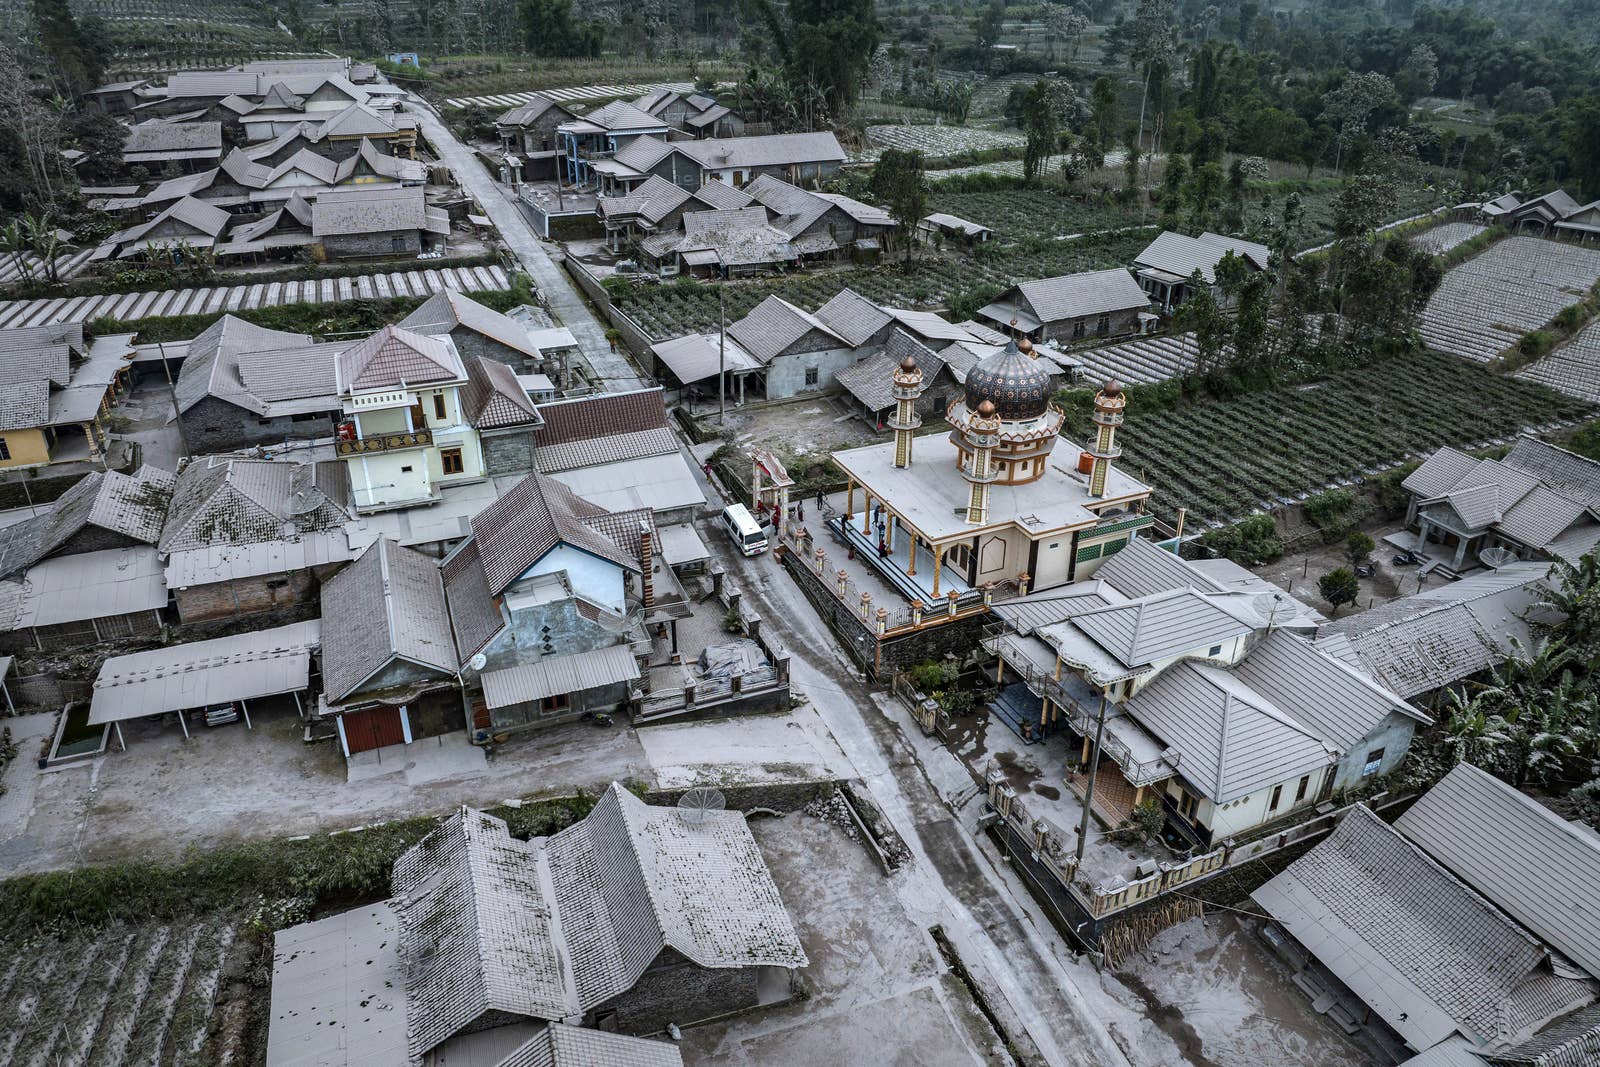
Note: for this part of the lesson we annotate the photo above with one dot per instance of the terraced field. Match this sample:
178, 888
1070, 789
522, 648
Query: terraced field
1442, 238
1485, 305
124, 993
1141, 361
1574, 368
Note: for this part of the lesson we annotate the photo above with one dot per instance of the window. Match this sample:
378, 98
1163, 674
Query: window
1189, 805
1103, 326
438, 406
1077, 329
450, 461
1214, 650
1277, 795
812, 376
1374, 761
5, 449
397, 244
555, 705
960, 556
406, 470
1300, 790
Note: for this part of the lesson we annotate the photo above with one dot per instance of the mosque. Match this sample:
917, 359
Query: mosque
1002, 499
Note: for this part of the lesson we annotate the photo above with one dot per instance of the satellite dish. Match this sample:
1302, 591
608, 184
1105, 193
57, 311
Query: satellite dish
696, 805
477, 662
1271, 606
1496, 557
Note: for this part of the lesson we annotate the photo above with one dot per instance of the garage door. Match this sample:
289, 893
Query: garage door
373, 728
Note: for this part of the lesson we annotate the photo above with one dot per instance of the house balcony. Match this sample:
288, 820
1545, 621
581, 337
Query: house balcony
384, 442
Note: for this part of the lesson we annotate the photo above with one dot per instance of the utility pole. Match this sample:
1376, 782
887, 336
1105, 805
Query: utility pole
172, 391
1094, 769
722, 360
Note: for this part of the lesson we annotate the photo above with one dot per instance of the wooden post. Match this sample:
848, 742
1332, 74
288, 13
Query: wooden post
912, 554
866, 511
999, 668
849, 499
1044, 712
938, 565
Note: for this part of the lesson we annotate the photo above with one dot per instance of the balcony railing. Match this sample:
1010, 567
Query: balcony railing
1083, 720
384, 442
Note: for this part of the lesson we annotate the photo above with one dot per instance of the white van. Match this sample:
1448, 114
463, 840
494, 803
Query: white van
745, 531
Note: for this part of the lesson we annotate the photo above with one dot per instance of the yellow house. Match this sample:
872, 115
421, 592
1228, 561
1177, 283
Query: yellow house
59, 389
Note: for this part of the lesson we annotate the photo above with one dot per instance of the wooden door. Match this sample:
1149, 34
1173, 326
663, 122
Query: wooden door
373, 728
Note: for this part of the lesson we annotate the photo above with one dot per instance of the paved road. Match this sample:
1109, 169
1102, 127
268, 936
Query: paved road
610, 369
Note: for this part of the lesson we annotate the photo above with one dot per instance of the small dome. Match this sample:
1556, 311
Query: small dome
1016, 383
1112, 388
909, 363
986, 409
1024, 345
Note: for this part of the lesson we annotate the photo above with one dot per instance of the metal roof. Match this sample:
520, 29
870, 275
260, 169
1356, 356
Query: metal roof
1429, 955
1028, 613
556, 675
1539, 868
662, 482
697, 356
339, 992
199, 674
1340, 703
1182, 255
1234, 741
91, 585
1151, 628
945, 221
1143, 568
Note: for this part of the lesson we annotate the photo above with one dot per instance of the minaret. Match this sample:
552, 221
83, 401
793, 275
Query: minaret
907, 387
983, 433
1108, 405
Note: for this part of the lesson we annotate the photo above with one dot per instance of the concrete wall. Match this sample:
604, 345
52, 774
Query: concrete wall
786, 374
214, 425
591, 577
249, 596
27, 448
1393, 735
472, 343
674, 990
1251, 811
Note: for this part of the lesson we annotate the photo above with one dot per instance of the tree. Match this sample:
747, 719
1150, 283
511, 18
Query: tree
1202, 314
1358, 546
1039, 123
1581, 138
899, 181
45, 242
986, 27
76, 50
1203, 193
1350, 105
1339, 587
1103, 125
1064, 22
1418, 74
1153, 45
828, 45
36, 128
1572, 594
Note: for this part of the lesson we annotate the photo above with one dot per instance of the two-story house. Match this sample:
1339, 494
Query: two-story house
1214, 700
406, 431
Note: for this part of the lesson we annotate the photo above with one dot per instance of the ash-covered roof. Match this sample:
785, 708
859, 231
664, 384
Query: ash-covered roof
394, 356
447, 309
388, 605
534, 516
220, 500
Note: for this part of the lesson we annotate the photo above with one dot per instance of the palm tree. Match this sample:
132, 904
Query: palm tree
45, 240
14, 243
1475, 732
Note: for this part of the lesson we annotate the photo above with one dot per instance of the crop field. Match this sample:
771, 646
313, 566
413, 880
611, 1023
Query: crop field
939, 142
1485, 305
1441, 239
1574, 368
1015, 214
463, 77
135, 992
677, 308
1143, 360
1226, 459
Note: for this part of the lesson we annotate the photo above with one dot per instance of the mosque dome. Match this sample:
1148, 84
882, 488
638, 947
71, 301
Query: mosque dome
1017, 384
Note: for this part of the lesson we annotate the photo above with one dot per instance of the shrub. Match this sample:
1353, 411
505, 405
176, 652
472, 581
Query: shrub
1332, 512
1249, 543
1392, 498
1358, 546
1535, 343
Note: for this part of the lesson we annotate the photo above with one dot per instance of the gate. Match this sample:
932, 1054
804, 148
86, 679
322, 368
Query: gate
373, 728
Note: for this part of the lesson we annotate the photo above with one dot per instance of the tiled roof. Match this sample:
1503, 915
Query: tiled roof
553, 927
365, 209
1234, 741
266, 372
774, 325
1340, 703
474, 613
853, 317
224, 501
1142, 568
560, 1045
525, 114
396, 355
871, 381
721, 197
131, 505
447, 309
1529, 861
1566, 472
388, 604
612, 448
1573, 1041
769, 150
517, 530
1075, 295
1425, 951
161, 137
1182, 255
494, 398
1428, 640
602, 415
1534, 495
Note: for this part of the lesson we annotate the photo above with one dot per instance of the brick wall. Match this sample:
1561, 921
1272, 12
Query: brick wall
357, 245
214, 425
507, 453
247, 596
674, 990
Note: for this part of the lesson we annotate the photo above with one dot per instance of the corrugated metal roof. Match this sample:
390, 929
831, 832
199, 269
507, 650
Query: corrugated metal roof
1071, 296
558, 675
1181, 255
203, 673
663, 482
1529, 861
697, 356
1423, 950
92, 585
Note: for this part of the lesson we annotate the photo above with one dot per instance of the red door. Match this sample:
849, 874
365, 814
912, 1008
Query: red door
373, 728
